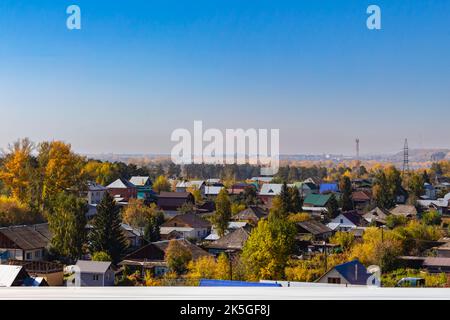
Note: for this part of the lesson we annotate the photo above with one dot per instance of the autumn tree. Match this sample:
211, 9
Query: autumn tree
106, 234
17, 170
137, 213
222, 215
67, 223
101, 256
208, 267
177, 257
161, 184
266, 252
344, 239
102, 173
13, 212
59, 169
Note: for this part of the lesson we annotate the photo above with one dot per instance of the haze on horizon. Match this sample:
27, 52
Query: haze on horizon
140, 69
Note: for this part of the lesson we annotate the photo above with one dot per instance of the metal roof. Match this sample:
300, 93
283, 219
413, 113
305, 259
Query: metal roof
93, 266
8, 274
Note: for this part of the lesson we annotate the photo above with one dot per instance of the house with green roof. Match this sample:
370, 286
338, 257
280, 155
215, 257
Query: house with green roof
316, 200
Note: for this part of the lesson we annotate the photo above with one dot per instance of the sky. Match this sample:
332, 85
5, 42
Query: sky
137, 70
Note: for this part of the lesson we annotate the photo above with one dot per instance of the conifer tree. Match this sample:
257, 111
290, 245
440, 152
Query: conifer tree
107, 234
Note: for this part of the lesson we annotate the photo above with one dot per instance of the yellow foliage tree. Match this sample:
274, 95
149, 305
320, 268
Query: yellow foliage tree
60, 167
17, 170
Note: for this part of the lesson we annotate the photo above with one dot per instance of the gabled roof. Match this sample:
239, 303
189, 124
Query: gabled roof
404, 210
156, 251
8, 274
354, 272
93, 266
28, 237
120, 184
251, 213
186, 220
376, 215
353, 216
174, 195
190, 184
271, 189
361, 196
213, 190
314, 227
328, 187
317, 200
234, 240
93, 186
140, 181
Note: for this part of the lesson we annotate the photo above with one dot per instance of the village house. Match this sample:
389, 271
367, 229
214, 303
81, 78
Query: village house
376, 216
190, 225
51, 272
187, 186
404, 210
346, 221
152, 256
251, 215
94, 274
232, 226
313, 230
349, 273
170, 202
95, 193
269, 191
143, 186
430, 192
361, 199
328, 188
17, 276
306, 188
211, 192
24, 242
239, 188
231, 242
122, 190
316, 203
443, 251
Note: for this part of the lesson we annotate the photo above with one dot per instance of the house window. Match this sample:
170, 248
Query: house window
95, 277
29, 256
342, 220
334, 280
37, 254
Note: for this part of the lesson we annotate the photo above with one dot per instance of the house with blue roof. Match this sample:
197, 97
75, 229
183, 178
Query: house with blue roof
349, 273
328, 188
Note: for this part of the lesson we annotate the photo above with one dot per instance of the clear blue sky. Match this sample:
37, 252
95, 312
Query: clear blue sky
139, 69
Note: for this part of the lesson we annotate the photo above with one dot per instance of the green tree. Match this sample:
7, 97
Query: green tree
332, 207
177, 257
267, 250
285, 200
106, 234
345, 185
222, 215
296, 202
67, 223
152, 228
416, 186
